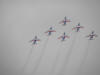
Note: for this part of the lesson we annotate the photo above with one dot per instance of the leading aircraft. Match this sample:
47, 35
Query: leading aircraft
92, 35
78, 27
63, 37
34, 40
65, 21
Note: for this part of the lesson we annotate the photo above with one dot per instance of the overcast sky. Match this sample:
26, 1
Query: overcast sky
21, 20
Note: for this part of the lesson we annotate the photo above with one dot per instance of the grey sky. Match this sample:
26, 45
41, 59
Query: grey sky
21, 20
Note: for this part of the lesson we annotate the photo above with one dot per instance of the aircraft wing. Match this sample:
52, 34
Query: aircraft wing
95, 35
60, 37
67, 36
88, 36
31, 40
46, 32
73, 28
52, 31
38, 39
81, 27
61, 22
68, 20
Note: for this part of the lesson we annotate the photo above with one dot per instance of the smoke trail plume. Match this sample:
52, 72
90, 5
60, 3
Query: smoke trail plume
27, 61
61, 72
41, 56
84, 58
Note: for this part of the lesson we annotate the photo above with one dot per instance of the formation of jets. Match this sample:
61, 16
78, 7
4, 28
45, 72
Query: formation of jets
64, 36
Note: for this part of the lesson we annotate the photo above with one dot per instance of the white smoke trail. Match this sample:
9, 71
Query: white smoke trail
27, 61
84, 58
61, 72
55, 62
41, 56
57, 59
